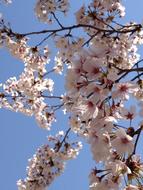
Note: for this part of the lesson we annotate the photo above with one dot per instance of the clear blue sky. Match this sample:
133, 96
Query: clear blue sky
19, 134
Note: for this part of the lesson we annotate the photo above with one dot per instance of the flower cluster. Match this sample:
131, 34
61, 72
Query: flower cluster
45, 8
67, 47
99, 14
48, 163
99, 85
97, 95
27, 94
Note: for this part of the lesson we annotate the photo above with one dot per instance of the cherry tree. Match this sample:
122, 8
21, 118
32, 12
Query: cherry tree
103, 72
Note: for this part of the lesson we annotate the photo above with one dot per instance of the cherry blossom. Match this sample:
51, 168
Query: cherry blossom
44, 8
97, 67
122, 143
48, 163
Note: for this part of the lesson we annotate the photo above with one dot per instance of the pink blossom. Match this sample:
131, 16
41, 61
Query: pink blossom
122, 143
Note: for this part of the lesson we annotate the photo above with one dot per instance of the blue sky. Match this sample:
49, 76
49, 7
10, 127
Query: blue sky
19, 135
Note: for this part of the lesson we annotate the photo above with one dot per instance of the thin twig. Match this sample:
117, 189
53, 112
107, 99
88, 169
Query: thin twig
59, 23
137, 139
46, 38
61, 143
